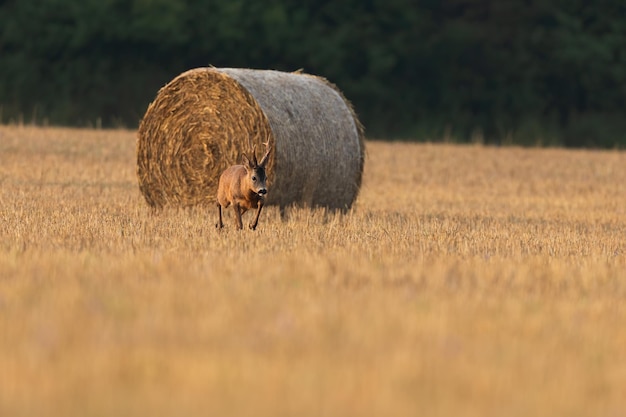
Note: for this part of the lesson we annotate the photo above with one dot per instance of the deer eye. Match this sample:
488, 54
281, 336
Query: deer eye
253, 178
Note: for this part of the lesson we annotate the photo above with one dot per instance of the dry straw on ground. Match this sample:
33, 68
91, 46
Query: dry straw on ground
204, 119
477, 281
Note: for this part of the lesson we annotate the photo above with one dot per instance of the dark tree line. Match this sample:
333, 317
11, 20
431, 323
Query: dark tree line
518, 71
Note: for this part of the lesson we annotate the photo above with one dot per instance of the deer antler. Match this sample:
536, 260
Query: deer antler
254, 155
267, 153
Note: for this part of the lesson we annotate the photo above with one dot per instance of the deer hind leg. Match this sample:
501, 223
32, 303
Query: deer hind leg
220, 223
256, 218
283, 213
238, 221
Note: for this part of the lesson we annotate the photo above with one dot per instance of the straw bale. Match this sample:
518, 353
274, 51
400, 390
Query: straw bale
204, 119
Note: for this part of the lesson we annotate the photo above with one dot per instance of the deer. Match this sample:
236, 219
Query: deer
244, 187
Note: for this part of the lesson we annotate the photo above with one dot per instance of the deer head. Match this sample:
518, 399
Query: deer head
255, 171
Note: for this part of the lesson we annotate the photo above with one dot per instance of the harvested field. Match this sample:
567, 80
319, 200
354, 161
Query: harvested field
466, 280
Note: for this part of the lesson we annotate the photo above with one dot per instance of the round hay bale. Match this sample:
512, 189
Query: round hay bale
204, 119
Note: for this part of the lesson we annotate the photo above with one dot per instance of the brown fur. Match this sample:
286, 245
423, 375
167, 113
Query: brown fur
243, 186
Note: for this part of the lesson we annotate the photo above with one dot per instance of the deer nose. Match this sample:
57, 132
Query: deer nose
262, 191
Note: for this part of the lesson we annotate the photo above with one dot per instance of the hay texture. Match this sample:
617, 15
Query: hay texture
204, 119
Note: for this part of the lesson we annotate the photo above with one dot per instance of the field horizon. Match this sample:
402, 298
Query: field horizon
466, 280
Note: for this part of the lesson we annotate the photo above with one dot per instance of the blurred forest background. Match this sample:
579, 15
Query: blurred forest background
530, 72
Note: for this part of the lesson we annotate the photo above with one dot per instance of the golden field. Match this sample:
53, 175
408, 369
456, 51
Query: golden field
466, 281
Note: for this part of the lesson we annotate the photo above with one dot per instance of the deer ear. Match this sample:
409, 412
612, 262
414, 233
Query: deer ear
246, 161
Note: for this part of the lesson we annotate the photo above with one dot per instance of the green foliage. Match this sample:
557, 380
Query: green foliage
423, 69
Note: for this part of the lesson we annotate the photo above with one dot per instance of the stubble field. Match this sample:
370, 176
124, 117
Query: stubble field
467, 281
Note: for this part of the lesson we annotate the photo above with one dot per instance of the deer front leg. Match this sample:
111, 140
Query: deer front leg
220, 223
256, 218
238, 216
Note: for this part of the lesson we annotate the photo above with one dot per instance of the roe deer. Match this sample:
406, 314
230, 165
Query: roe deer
244, 187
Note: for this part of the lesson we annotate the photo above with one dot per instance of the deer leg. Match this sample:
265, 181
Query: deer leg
256, 218
238, 216
220, 223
